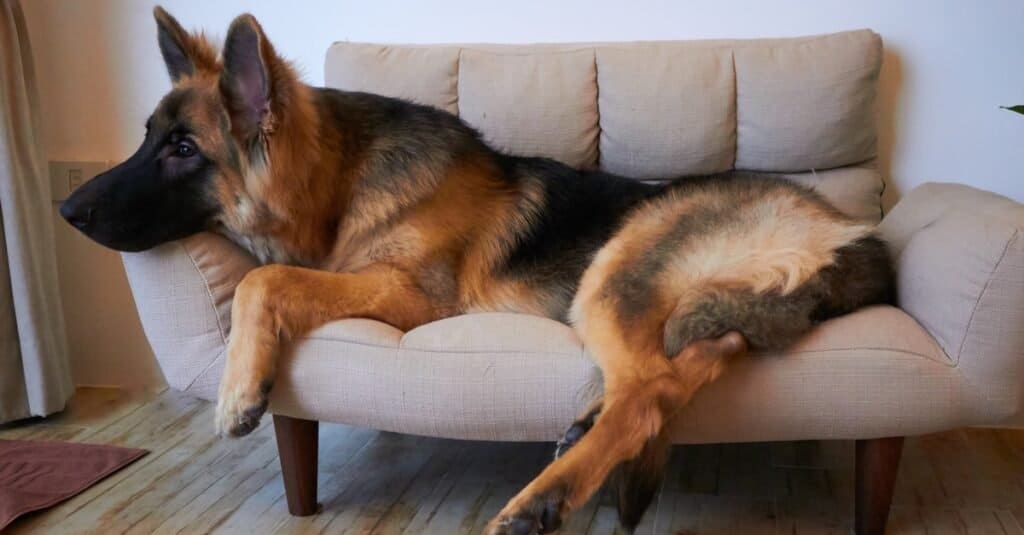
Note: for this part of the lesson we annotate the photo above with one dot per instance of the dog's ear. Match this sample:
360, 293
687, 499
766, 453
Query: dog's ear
183, 53
246, 79
174, 44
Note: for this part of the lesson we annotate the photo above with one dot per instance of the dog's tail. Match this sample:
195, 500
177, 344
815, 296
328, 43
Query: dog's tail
861, 275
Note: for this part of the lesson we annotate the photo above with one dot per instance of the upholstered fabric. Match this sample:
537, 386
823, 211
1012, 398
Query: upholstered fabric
960, 260
855, 190
542, 104
658, 109
666, 110
427, 75
183, 291
807, 104
655, 110
954, 354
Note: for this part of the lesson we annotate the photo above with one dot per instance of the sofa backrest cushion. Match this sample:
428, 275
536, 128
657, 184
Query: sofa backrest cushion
652, 110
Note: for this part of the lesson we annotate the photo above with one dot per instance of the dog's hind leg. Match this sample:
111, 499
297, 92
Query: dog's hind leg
637, 405
635, 482
274, 303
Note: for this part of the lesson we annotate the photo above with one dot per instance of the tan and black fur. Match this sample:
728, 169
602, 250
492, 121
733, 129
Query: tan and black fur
365, 206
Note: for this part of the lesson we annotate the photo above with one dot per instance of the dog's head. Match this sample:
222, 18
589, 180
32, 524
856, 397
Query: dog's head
204, 137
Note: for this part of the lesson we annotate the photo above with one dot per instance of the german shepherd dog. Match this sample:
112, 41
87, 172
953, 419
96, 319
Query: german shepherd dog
358, 205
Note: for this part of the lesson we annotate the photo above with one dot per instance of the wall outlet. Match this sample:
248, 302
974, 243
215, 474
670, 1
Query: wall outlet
66, 176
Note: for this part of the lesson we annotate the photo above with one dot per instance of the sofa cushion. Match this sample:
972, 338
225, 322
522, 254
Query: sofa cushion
855, 190
807, 103
427, 75
518, 377
540, 103
656, 110
660, 109
499, 376
667, 110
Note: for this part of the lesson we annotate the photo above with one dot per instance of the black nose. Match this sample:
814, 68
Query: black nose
77, 214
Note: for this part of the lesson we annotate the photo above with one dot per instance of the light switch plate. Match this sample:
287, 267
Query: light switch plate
66, 176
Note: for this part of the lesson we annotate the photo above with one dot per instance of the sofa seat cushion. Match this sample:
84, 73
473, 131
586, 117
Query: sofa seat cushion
499, 376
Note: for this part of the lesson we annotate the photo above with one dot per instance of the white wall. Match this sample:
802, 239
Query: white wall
949, 64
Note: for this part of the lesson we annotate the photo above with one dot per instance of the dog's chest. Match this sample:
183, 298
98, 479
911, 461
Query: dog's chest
248, 225
266, 249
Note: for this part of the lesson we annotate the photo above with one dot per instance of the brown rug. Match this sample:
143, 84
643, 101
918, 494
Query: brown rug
35, 475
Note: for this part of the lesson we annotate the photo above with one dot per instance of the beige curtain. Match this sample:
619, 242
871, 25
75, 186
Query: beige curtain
35, 375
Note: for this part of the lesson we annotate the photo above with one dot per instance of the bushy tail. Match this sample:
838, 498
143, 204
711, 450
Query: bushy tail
861, 275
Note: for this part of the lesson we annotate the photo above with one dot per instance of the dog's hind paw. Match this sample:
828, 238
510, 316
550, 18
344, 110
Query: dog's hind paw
238, 413
577, 430
570, 438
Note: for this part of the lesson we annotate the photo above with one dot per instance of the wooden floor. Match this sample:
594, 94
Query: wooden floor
969, 481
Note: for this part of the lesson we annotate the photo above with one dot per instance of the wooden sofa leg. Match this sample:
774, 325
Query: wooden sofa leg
297, 448
878, 460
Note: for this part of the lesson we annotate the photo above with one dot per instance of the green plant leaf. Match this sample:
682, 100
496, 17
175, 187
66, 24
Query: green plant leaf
1018, 109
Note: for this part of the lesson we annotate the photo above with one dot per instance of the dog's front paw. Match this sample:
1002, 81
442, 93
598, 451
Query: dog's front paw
530, 515
239, 409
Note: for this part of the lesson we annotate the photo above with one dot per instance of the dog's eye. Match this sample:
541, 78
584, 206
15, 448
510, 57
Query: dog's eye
184, 150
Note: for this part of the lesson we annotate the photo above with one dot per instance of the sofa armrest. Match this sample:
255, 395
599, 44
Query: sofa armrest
183, 291
960, 272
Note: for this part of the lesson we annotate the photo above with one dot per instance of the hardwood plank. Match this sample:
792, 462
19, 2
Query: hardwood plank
694, 469
65, 433
235, 483
497, 472
677, 513
905, 520
812, 516
161, 426
941, 521
356, 487
267, 506
702, 513
952, 521
728, 514
427, 489
797, 454
918, 482
219, 501
468, 493
361, 507
746, 470
605, 522
1009, 522
181, 485
966, 481
125, 501
331, 477
981, 521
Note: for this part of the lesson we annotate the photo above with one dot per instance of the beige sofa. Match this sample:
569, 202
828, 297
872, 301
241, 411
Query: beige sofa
951, 355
